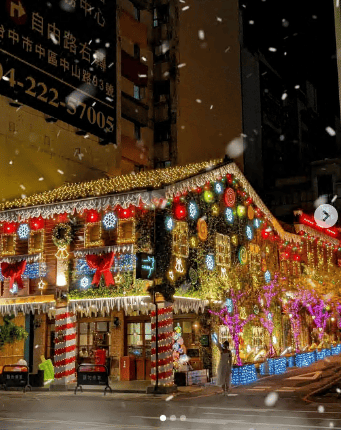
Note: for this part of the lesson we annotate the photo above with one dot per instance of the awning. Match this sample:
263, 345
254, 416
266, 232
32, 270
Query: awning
41, 304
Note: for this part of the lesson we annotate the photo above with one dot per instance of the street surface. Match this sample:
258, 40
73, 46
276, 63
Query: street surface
280, 402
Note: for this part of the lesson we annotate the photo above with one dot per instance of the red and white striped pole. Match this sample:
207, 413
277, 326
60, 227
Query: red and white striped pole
65, 346
161, 353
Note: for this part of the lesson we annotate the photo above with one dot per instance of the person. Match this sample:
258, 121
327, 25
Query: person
224, 367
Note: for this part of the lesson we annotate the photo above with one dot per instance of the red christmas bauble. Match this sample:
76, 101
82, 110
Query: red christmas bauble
36, 223
92, 216
265, 234
180, 211
229, 197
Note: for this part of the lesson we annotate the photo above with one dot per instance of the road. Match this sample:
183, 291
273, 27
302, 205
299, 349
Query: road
93, 411
273, 403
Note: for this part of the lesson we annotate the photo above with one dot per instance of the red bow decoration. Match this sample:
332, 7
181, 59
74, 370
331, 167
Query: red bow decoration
13, 271
102, 264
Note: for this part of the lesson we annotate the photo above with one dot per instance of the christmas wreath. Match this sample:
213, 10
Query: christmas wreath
62, 235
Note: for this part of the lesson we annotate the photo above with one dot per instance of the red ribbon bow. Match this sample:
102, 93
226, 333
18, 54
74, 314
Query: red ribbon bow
102, 264
13, 271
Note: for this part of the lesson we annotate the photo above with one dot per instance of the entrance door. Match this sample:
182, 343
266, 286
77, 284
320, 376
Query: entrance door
139, 337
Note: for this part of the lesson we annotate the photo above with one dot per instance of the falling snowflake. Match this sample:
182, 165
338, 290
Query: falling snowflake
41, 179
297, 87
211, 107
272, 49
181, 65
163, 417
60, 171
219, 19
22, 187
235, 148
201, 34
198, 100
284, 96
185, 8
320, 409
271, 399
251, 22
330, 131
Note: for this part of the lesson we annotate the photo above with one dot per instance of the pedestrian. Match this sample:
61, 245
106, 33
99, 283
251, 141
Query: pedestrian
224, 367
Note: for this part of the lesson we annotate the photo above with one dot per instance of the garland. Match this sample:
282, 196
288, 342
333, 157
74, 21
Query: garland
62, 235
10, 333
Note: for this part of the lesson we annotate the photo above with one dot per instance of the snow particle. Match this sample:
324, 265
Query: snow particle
163, 417
285, 23
219, 19
235, 148
297, 87
23, 196
201, 34
22, 187
271, 399
251, 22
185, 8
320, 409
211, 107
41, 179
181, 65
272, 49
182, 417
11, 162
284, 96
281, 137
198, 100
172, 418
60, 171
227, 49
330, 131
169, 398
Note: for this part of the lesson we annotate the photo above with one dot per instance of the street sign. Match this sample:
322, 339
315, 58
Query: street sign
145, 266
48, 61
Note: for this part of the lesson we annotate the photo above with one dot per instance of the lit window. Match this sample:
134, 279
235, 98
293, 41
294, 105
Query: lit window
137, 93
223, 253
180, 245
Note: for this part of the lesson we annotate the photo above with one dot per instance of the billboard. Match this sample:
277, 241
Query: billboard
59, 57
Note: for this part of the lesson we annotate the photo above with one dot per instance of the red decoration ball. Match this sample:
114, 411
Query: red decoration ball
265, 234
229, 178
176, 199
229, 197
92, 216
37, 223
124, 213
248, 201
180, 211
10, 227
296, 257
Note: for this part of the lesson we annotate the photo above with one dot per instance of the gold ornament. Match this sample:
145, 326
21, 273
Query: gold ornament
250, 212
202, 229
234, 240
193, 242
215, 209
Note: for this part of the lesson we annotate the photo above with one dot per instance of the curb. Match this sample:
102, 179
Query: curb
332, 380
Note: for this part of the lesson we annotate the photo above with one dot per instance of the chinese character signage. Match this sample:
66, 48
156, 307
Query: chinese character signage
145, 266
60, 57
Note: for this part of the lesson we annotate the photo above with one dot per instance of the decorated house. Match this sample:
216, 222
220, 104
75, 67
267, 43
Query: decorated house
83, 265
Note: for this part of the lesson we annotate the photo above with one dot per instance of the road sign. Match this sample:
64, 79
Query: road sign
16, 11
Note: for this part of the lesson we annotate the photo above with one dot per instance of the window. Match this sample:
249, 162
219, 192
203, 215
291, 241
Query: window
223, 253
139, 338
8, 244
36, 241
180, 239
92, 336
93, 234
137, 52
137, 93
137, 13
325, 185
126, 231
137, 131
155, 20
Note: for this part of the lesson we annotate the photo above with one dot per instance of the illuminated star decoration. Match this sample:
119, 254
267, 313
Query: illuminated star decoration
41, 284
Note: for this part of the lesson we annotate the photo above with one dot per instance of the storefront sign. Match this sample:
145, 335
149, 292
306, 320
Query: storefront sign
145, 266
15, 376
92, 374
59, 58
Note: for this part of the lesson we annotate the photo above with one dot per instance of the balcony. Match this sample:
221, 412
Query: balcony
133, 110
133, 69
133, 30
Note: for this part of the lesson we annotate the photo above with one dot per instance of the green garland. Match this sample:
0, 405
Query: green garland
62, 235
10, 333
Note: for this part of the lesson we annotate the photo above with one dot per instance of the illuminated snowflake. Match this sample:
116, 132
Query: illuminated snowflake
23, 231
249, 232
267, 276
256, 223
218, 188
84, 282
169, 223
193, 210
209, 261
229, 215
109, 220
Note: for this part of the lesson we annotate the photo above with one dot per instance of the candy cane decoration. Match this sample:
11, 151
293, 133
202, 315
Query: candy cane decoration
65, 346
165, 355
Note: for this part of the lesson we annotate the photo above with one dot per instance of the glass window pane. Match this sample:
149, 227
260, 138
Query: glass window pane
83, 328
83, 339
102, 326
148, 331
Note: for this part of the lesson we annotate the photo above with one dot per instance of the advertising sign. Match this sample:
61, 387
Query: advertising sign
59, 58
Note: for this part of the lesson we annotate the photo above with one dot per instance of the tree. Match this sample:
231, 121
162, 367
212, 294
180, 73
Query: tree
266, 301
293, 308
317, 309
232, 318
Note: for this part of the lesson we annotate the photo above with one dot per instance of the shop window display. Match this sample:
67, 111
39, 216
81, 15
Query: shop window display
92, 336
139, 337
